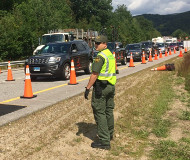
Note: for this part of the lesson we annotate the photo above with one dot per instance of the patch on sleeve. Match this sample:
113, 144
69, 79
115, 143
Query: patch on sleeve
97, 59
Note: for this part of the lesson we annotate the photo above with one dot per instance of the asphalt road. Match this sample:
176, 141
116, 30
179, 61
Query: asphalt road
49, 91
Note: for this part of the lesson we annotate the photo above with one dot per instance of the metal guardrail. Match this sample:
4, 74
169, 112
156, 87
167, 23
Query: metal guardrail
12, 63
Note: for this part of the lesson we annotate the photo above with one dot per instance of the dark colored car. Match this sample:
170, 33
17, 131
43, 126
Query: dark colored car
180, 45
172, 46
54, 59
136, 50
120, 53
147, 46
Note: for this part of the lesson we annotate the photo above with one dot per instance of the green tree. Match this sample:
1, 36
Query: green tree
179, 34
86, 9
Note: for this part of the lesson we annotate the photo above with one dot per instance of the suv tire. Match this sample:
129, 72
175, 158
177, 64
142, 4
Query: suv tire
88, 69
66, 71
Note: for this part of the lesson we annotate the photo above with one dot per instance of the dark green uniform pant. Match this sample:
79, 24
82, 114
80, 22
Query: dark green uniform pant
103, 112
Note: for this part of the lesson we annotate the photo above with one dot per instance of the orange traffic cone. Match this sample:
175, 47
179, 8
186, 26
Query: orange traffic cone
155, 55
73, 80
0, 71
180, 53
9, 74
150, 57
166, 53
160, 56
131, 64
185, 50
117, 71
174, 51
143, 58
28, 85
170, 52
162, 68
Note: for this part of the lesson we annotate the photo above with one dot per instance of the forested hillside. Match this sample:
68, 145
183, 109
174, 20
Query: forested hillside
22, 22
172, 24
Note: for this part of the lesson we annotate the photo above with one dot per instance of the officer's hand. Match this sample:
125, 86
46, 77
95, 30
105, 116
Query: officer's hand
86, 93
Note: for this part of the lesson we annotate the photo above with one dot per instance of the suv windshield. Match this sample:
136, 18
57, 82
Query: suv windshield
52, 38
55, 48
133, 47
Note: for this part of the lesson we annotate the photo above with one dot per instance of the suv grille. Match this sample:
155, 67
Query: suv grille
38, 60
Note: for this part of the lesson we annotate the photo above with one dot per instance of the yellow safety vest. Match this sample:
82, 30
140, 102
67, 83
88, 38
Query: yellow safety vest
108, 69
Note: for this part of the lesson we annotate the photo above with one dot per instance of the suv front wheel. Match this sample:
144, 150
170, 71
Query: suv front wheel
66, 71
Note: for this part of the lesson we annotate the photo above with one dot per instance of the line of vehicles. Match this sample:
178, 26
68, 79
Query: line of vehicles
53, 56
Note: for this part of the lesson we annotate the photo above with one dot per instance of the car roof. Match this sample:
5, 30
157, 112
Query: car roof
134, 44
69, 42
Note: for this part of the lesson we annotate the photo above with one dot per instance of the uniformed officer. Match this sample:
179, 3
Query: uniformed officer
103, 79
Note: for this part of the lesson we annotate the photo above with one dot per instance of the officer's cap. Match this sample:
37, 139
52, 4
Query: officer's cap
101, 38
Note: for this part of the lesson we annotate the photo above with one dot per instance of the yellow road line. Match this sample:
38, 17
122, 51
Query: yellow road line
45, 90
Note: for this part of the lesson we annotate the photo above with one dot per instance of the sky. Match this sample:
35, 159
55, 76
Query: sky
162, 7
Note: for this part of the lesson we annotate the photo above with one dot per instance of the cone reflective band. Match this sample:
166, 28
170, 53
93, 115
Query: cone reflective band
150, 57
170, 52
180, 53
162, 68
166, 67
185, 50
166, 53
73, 80
155, 56
160, 56
9, 73
143, 59
131, 64
28, 86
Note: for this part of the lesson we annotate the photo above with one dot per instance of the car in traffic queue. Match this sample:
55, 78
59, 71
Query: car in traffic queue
161, 47
54, 59
148, 46
172, 46
136, 50
180, 45
120, 52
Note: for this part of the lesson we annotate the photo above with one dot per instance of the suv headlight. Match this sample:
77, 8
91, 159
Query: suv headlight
54, 59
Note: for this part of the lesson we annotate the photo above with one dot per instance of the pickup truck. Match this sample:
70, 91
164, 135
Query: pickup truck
54, 59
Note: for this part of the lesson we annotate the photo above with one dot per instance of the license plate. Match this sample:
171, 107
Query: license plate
128, 56
36, 68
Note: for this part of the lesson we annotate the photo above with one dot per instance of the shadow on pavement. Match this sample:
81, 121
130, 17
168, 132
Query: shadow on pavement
6, 108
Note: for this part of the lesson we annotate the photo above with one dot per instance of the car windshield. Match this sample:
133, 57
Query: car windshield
160, 44
146, 44
111, 46
133, 47
55, 48
52, 38
173, 44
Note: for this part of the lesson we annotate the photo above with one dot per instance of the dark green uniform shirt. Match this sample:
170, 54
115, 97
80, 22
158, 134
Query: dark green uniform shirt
97, 64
